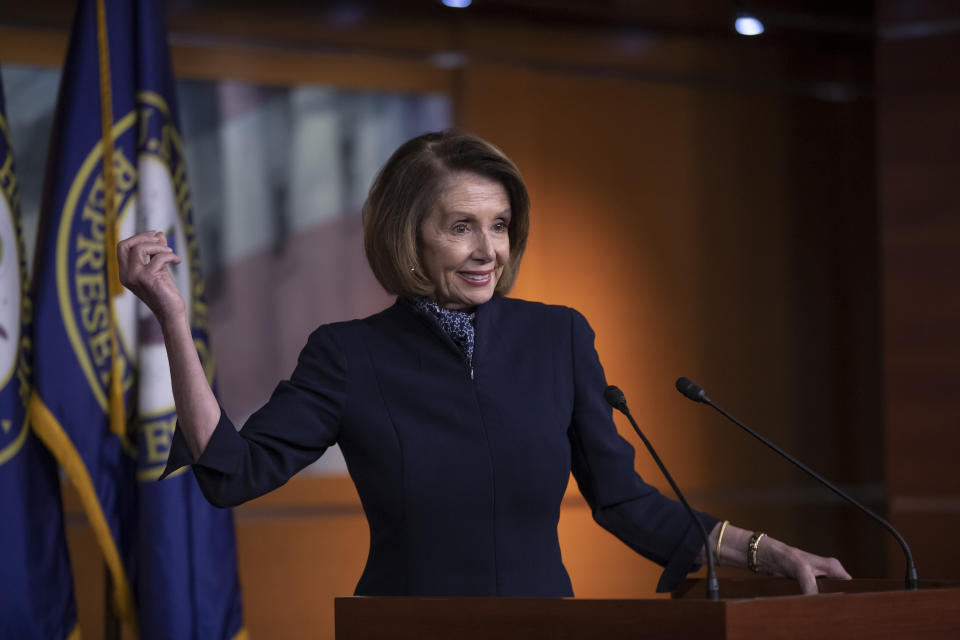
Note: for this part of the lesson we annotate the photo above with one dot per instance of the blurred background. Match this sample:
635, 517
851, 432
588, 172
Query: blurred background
773, 215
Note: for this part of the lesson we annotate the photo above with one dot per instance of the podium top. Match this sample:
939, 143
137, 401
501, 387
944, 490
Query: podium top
926, 613
766, 587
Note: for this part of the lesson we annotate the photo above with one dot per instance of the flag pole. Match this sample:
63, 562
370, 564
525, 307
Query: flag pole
115, 408
111, 621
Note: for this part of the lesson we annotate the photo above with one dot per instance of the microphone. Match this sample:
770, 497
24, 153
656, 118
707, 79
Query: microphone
618, 401
695, 392
692, 390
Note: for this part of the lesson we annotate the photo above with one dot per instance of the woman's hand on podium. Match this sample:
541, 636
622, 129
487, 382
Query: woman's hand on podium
774, 557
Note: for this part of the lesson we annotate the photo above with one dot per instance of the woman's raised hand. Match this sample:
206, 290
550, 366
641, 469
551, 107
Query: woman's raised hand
142, 261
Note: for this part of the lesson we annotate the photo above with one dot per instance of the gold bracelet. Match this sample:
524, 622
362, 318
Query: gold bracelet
723, 528
752, 551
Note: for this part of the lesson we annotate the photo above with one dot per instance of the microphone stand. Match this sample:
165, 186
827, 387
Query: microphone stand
695, 392
618, 401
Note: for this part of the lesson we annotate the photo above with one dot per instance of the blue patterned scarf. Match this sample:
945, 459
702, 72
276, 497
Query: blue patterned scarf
458, 325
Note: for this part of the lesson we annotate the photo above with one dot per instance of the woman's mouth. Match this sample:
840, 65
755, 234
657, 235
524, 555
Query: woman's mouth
476, 278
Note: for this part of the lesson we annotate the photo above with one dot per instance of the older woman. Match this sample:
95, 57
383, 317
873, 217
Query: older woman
460, 412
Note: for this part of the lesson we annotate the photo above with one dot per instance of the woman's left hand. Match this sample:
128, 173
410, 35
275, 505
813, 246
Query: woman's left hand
774, 558
779, 559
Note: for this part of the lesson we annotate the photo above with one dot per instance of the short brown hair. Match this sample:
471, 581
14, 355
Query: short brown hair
409, 184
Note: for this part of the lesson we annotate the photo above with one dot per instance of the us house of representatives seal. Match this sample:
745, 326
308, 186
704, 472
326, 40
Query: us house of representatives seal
152, 192
14, 311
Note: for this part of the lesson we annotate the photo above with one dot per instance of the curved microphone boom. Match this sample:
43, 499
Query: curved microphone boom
695, 392
618, 401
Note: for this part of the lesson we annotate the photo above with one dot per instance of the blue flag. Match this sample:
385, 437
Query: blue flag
103, 402
36, 592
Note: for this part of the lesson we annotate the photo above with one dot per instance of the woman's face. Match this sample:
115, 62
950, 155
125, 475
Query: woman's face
464, 240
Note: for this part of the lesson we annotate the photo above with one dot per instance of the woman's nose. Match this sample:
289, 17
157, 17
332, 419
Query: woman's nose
483, 249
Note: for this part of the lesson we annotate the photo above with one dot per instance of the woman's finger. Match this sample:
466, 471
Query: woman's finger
135, 260
140, 238
161, 260
808, 583
143, 253
133, 244
831, 568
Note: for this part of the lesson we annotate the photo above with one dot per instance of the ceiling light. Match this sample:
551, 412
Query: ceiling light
748, 25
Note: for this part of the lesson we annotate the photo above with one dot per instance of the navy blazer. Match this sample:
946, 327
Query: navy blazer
460, 471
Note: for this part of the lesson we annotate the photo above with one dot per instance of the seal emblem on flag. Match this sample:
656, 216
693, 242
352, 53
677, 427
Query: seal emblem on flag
152, 192
102, 401
14, 309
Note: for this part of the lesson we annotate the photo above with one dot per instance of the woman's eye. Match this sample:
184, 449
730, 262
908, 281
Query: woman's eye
460, 228
500, 227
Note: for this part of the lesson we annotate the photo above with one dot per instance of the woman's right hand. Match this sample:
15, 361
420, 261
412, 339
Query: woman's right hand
142, 261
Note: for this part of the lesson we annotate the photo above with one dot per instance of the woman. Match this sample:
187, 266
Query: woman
460, 412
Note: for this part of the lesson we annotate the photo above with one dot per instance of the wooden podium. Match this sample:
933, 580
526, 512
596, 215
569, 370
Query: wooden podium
844, 609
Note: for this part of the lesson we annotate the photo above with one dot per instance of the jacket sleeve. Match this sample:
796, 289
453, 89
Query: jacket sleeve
603, 465
290, 431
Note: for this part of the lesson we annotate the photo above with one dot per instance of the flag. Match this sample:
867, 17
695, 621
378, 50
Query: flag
36, 592
103, 401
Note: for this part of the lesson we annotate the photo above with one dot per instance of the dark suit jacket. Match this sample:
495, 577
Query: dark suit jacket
461, 472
